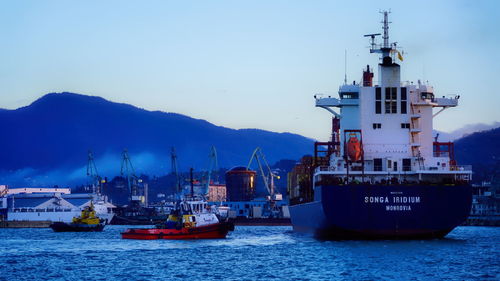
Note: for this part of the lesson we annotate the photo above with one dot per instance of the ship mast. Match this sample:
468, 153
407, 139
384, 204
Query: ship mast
385, 48
386, 30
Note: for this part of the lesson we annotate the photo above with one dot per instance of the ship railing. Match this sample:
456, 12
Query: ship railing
39, 210
325, 169
461, 168
465, 168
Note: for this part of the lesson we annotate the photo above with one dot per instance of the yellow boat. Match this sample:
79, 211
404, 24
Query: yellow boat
87, 221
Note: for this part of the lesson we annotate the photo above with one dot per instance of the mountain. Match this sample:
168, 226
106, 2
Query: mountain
55, 132
465, 131
46, 142
481, 150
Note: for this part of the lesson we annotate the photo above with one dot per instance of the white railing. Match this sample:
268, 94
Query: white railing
465, 168
325, 169
461, 168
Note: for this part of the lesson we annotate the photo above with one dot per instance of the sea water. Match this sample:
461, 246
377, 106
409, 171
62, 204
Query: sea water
248, 253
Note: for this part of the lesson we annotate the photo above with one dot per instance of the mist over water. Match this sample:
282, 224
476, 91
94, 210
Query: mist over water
108, 165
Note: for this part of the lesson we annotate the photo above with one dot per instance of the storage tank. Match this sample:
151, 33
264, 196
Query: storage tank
240, 184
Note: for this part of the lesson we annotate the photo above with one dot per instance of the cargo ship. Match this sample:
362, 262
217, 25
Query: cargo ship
383, 175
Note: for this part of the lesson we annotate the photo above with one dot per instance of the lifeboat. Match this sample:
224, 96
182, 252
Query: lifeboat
191, 220
354, 148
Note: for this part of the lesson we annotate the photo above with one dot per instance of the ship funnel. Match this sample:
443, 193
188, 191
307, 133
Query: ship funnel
367, 77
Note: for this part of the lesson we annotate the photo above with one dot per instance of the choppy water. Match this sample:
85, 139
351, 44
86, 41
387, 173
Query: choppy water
249, 253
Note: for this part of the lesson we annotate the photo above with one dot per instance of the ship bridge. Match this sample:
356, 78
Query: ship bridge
349, 96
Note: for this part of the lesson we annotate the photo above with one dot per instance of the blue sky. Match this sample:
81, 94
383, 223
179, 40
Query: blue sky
245, 64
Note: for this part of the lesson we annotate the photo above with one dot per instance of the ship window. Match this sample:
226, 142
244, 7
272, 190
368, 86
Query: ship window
389, 162
405, 125
391, 100
403, 101
377, 125
377, 164
394, 93
349, 95
378, 100
394, 108
403, 93
395, 166
387, 93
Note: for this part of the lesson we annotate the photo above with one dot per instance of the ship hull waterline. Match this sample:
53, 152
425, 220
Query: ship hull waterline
70, 227
346, 212
213, 231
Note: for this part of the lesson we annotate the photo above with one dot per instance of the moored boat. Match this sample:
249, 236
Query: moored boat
86, 222
192, 219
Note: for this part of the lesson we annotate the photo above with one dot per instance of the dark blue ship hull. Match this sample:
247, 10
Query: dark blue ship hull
383, 211
74, 227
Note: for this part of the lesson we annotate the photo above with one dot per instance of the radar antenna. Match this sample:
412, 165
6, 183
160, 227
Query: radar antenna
372, 41
385, 48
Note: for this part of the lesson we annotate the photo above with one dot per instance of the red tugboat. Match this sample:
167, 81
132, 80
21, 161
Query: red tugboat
192, 218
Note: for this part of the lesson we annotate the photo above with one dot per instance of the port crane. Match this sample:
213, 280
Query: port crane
212, 166
127, 170
268, 179
94, 179
175, 170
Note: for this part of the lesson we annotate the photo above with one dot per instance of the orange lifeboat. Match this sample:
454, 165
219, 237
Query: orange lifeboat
353, 148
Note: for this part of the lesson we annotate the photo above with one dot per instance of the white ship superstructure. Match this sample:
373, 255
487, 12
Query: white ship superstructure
392, 122
56, 207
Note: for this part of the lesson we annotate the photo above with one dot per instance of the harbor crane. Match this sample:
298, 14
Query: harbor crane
127, 170
175, 170
212, 166
94, 179
268, 179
